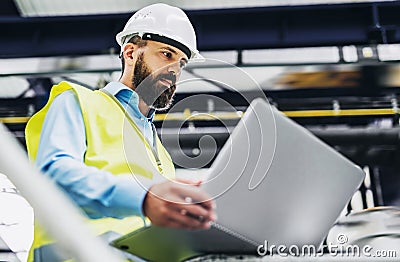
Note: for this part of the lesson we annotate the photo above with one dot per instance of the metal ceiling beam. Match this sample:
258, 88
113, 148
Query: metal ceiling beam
8, 8
222, 29
58, 36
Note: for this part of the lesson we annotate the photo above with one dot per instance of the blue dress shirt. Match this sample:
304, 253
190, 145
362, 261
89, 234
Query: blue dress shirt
61, 154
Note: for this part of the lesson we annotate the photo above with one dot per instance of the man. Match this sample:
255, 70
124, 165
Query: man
101, 147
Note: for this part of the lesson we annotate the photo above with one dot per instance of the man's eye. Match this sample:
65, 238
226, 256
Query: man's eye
167, 54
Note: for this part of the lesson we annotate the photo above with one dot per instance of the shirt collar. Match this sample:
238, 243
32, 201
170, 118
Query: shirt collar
116, 87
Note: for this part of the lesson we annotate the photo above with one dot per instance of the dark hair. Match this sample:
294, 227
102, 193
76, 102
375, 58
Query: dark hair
137, 40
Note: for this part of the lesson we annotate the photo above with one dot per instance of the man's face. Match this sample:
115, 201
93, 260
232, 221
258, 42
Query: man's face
156, 71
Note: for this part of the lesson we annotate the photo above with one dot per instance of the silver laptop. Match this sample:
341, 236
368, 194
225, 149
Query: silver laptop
272, 181
275, 181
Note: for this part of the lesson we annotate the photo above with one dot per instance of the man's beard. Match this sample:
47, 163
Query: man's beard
148, 87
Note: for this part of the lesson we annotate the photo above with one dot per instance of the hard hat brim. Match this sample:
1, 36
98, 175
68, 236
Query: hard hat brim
191, 54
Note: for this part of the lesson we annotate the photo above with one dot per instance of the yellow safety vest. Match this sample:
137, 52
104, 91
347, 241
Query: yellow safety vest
114, 144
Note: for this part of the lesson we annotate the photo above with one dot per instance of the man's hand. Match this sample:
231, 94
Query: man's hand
179, 204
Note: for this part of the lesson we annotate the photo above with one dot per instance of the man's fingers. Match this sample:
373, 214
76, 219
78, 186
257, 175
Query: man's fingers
186, 220
199, 212
179, 205
208, 204
197, 202
196, 210
194, 194
187, 194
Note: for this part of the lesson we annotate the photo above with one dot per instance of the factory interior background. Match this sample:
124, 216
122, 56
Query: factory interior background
331, 66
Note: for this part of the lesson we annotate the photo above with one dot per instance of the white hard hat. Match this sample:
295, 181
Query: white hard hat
162, 23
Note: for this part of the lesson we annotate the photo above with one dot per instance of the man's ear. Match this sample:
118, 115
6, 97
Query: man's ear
130, 53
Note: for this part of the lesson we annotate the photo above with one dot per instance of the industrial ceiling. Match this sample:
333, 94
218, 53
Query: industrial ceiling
59, 28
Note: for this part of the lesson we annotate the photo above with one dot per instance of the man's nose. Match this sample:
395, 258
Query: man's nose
174, 68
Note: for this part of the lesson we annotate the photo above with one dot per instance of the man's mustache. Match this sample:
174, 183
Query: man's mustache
171, 77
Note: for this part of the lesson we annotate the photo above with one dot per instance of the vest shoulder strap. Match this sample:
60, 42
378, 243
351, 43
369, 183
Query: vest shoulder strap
35, 123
